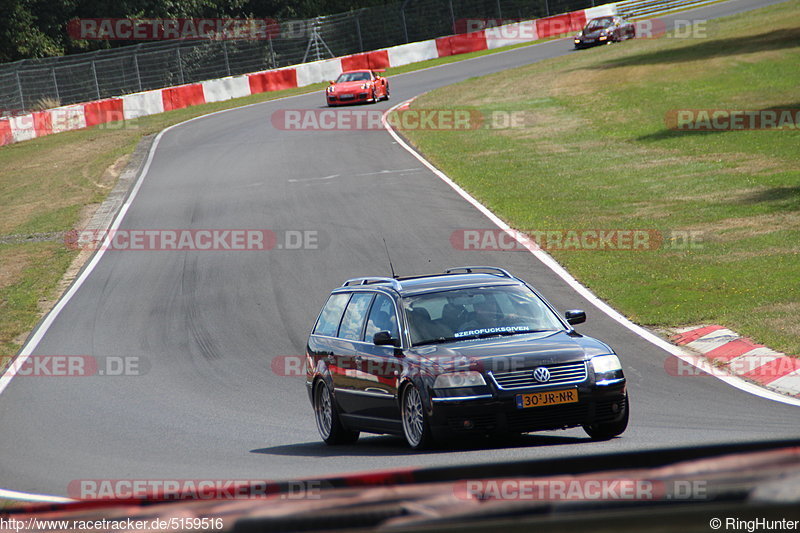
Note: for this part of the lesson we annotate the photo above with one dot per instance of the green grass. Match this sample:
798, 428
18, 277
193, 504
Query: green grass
595, 153
47, 183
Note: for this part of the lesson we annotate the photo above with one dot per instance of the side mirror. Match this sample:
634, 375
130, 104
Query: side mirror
331, 82
384, 338
575, 316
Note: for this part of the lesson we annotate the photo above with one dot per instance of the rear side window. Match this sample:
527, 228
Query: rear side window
354, 316
382, 317
331, 315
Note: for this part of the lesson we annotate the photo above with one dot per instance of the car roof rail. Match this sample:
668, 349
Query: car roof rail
487, 269
370, 280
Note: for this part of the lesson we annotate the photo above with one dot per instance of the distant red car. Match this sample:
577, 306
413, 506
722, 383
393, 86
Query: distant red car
357, 86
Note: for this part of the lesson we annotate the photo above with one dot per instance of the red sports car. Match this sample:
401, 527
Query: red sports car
357, 86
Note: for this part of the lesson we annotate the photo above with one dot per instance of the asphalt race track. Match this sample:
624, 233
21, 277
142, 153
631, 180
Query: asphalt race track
209, 323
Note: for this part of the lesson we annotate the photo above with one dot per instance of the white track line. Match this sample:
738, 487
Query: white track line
553, 265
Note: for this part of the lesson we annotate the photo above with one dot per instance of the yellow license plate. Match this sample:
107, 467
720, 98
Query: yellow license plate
543, 399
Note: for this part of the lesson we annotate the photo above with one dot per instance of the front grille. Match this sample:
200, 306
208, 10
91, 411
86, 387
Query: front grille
560, 374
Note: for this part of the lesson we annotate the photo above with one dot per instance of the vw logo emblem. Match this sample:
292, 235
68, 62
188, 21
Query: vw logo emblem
541, 374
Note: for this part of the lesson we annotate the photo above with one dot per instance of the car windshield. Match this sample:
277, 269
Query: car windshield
599, 24
353, 76
471, 313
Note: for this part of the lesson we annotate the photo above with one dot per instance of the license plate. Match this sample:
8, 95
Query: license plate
347, 96
543, 399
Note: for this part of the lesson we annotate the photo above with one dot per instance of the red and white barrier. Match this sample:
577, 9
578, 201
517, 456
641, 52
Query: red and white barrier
142, 104
310, 73
131, 106
226, 88
509, 34
606, 10
463, 43
406, 54
376, 60
6, 136
23, 127
272, 80
69, 117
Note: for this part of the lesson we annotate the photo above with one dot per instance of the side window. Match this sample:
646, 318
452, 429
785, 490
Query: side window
382, 317
328, 321
354, 316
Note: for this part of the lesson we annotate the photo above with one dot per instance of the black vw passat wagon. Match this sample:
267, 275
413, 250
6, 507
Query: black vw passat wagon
473, 350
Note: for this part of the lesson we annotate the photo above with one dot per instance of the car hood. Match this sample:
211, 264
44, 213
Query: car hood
497, 353
349, 85
591, 34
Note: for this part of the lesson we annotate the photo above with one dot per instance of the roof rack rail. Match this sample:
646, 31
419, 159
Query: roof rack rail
471, 269
369, 280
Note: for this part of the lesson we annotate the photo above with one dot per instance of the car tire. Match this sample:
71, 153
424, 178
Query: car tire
329, 425
609, 430
416, 429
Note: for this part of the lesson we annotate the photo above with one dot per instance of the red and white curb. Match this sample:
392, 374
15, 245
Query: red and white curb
742, 357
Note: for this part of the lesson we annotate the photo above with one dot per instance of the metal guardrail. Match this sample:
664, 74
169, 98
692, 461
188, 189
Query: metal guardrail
35, 83
641, 8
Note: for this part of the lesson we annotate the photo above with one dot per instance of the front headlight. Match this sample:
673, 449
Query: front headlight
603, 364
366, 85
458, 379
330, 89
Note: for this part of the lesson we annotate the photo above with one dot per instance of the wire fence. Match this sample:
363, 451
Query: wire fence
34, 84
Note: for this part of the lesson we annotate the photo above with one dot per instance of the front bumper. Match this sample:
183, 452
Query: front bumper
498, 412
347, 98
588, 43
